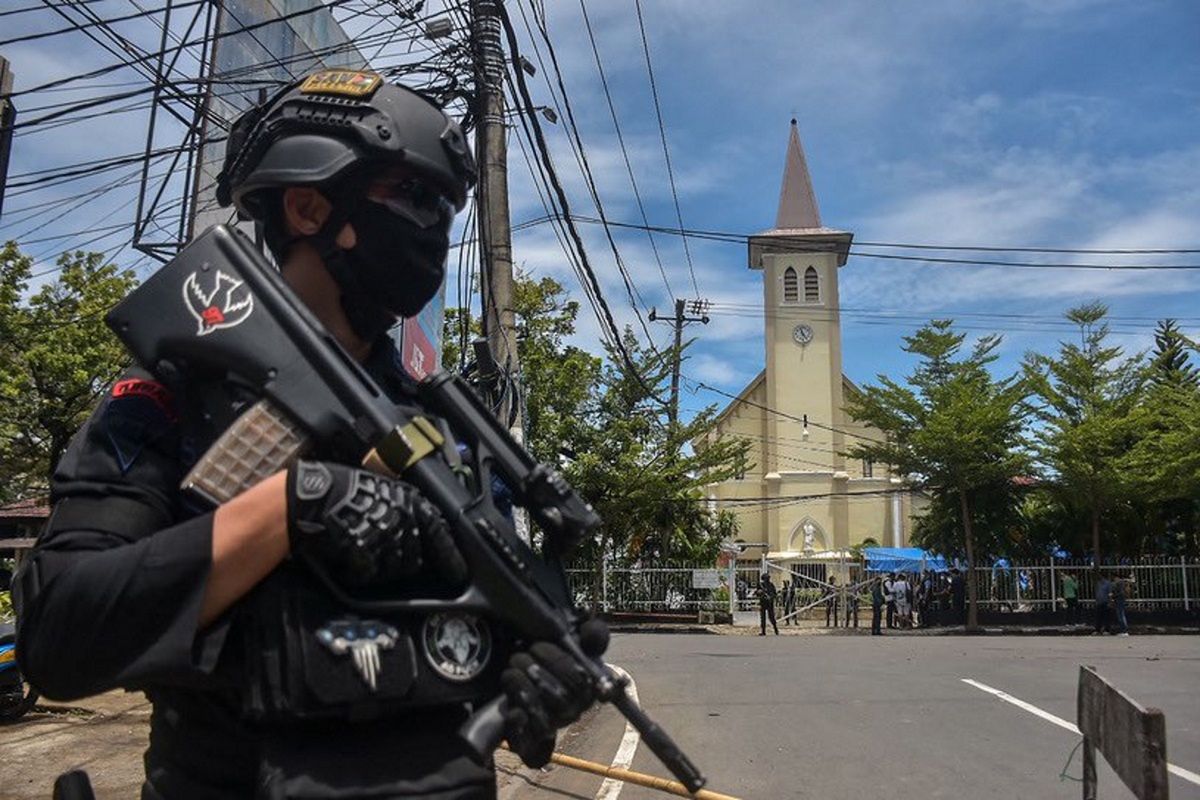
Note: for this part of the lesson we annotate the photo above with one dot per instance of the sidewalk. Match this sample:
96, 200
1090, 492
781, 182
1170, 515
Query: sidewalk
105, 735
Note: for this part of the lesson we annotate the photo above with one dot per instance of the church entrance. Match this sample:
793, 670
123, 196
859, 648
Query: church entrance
834, 591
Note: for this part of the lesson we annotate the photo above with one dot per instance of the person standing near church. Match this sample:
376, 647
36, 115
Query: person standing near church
877, 600
1070, 592
890, 600
831, 602
789, 601
766, 604
958, 596
902, 595
1103, 610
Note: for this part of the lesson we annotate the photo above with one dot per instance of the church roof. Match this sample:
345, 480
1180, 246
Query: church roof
798, 217
743, 397
797, 201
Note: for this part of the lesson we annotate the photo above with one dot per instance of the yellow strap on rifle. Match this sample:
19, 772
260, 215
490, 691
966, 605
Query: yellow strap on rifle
404, 446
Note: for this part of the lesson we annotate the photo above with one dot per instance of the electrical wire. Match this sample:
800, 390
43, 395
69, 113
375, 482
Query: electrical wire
612, 110
802, 244
603, 312
100, 22
662, 129
585, 168
328, 4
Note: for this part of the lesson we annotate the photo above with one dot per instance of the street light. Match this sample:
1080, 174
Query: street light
546, 111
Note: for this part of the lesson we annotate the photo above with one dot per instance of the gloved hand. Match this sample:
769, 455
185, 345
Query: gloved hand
548, 690
366, 528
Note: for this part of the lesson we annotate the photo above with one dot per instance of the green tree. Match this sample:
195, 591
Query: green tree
640, 474
954, 431
1169, 362
1163, 463
57, 358
558, 378
1085, 395
609, 433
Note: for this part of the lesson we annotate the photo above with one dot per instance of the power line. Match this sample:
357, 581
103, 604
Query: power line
329, 4
799, 244
624, 150
99, 22
601, 305
662, 130
630, 287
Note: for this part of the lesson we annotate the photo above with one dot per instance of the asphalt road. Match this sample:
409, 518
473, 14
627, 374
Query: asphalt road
856, 717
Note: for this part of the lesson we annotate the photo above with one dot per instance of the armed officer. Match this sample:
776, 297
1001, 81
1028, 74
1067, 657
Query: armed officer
136, 584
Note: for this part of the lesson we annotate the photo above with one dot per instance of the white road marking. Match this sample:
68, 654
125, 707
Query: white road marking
1186, 774
611, 788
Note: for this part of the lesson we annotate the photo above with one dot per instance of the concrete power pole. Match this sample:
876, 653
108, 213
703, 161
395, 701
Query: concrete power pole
495, 230
699, 307
8, 118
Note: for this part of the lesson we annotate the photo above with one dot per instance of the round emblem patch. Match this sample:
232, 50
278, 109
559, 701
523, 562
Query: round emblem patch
458, 646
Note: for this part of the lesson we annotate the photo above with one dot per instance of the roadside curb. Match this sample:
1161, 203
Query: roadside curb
995, 630
631, 627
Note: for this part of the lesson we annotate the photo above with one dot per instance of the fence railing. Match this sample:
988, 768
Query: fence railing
1153, 583
1158, 583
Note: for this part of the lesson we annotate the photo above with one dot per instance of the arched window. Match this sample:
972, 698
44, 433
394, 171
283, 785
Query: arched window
812, 286
791, 288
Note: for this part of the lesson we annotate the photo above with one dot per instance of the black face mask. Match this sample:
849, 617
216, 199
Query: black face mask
394, 269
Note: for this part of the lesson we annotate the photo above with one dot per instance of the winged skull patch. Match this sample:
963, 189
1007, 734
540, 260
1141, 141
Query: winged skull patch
362, 639
223, 305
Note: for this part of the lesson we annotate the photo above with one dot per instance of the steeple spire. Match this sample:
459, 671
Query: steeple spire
797, 203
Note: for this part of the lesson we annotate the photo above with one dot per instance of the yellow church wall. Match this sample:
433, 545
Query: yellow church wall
871, 515
745, 421
750, 516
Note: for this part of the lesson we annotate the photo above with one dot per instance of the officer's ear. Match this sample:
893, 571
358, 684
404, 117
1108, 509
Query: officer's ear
305, 210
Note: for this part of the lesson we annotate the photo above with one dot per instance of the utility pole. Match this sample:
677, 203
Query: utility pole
700, 309
8, 118
495, 233
495, 225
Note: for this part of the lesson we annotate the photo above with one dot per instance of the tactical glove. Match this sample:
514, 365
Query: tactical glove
366, 528
548, 690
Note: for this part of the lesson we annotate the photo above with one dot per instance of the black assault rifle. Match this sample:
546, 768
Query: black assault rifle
220, 305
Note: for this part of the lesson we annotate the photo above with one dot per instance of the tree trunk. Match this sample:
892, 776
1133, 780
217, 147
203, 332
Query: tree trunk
972, 590
1096, 539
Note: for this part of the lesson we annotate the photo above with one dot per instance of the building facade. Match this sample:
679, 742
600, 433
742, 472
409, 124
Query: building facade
801, 496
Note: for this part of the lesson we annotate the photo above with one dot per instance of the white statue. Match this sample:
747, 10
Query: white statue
810, 533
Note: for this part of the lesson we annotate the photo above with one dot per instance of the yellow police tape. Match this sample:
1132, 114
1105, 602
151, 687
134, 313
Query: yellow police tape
636, 778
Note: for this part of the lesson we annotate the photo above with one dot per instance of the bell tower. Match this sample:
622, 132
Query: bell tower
799, 259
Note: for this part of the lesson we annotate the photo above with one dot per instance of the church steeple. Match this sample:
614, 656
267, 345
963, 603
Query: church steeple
797, 202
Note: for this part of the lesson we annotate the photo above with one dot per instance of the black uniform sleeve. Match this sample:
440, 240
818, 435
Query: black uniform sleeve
111, 594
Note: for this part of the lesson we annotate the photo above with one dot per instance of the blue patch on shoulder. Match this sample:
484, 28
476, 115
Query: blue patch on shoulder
130, 423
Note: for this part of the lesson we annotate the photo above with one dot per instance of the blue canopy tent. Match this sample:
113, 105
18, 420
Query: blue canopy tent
903, 559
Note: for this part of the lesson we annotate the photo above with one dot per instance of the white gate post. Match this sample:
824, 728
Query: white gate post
1053, 588
1183, 567
604, 584
732, 588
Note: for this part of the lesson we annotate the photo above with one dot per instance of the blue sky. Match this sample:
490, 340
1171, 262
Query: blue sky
1068, 123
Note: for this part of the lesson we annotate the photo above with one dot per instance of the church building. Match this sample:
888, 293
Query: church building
800, 496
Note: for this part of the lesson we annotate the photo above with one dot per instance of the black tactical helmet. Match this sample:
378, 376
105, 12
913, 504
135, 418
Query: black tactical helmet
319, 129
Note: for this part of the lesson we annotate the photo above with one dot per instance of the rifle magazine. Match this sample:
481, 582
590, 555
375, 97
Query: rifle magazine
261, 442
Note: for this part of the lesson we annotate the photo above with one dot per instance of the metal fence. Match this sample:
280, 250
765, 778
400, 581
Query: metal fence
1154, 583
645, 589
